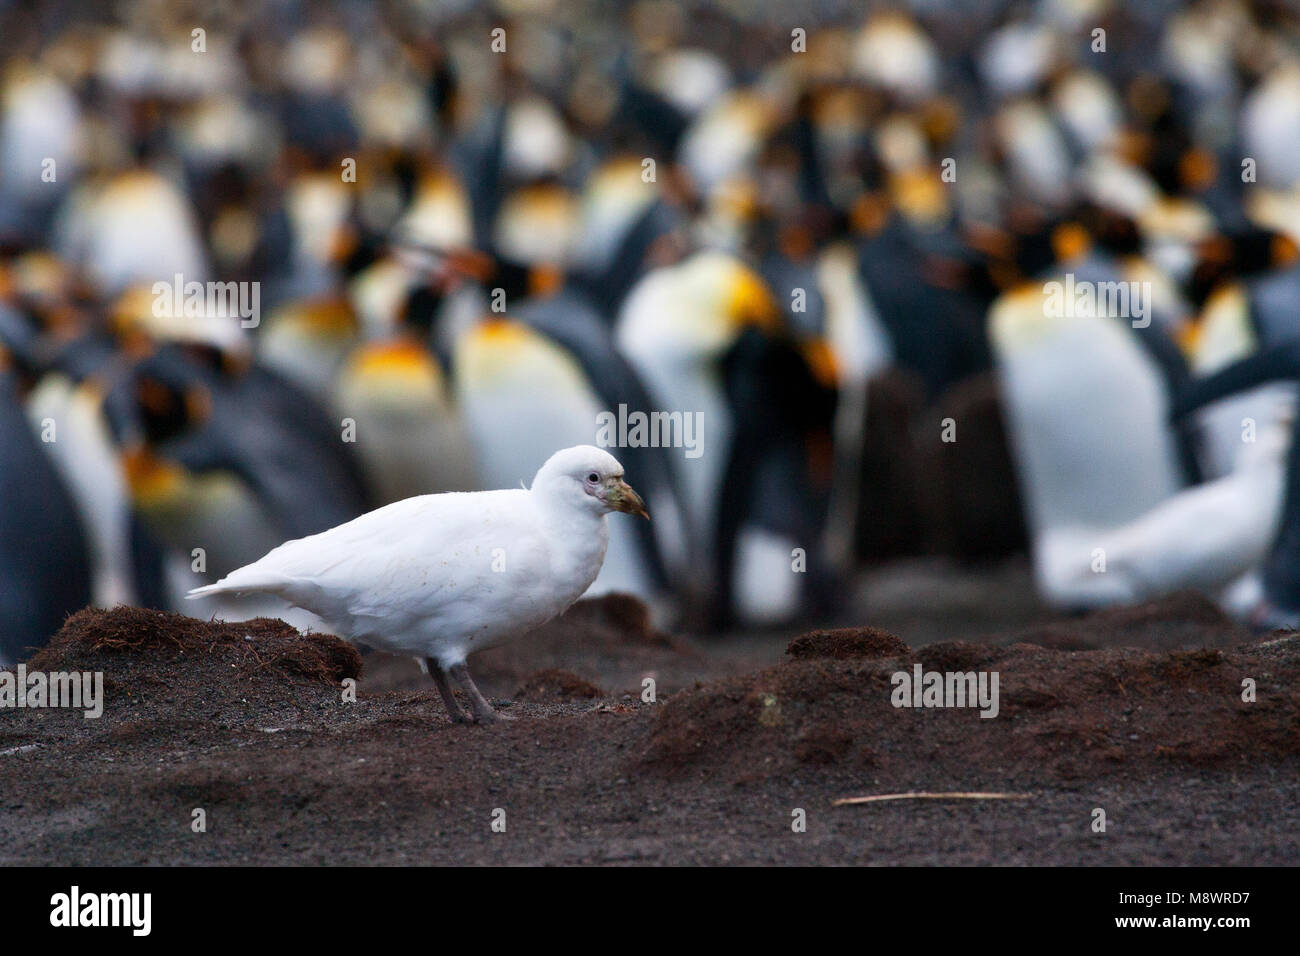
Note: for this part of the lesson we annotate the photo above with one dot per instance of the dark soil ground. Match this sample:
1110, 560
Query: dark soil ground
1137, 712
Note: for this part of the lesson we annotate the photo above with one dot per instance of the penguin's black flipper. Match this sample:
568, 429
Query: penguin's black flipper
1164, 352
608, 286
1278, 363
479, 166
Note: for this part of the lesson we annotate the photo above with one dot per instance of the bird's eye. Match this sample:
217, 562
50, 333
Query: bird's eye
593, 478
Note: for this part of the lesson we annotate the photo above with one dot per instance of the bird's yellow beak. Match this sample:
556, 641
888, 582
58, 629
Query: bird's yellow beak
622, 498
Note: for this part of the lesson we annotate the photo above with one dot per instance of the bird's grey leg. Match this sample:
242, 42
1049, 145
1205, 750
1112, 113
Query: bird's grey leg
483, 712
439, 676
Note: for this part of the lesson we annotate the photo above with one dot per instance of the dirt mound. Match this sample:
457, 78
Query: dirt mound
276, 760
610, 619
556, 684
135, 647
1060, 715
961, 655
1182, 620
847, 642
608, 640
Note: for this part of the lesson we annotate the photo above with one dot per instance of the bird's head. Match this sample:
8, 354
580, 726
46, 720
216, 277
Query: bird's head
590, 478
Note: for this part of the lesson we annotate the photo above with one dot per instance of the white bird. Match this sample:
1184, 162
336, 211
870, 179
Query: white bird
440, 576
1203, 537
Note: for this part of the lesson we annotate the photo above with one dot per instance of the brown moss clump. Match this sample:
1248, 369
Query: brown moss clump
139, 641
845, 642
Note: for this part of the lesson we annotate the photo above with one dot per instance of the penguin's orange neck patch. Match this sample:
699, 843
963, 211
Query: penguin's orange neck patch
544, 281
329, 317
1188, 337
499, 331
821, 359
1070, 241
751, 302
1284, 251
151, 479
400, 357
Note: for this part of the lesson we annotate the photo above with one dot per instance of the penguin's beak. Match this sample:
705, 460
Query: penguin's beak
622, 498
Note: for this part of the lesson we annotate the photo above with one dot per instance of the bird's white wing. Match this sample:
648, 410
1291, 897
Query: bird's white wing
403, 560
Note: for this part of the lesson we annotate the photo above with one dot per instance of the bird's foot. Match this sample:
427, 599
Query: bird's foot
483, 712
454, 712
491, 716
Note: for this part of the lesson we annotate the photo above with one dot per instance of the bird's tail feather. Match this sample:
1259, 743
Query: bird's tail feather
241, 581
195, 593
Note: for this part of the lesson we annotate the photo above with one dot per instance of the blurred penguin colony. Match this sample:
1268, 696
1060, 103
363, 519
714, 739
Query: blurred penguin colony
852, 281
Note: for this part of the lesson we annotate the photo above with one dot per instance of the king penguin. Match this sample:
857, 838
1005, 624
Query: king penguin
1087, 413
704, 335
136, 227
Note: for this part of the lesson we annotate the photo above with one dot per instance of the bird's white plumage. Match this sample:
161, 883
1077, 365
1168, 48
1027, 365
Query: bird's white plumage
1203, 537
443, 575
